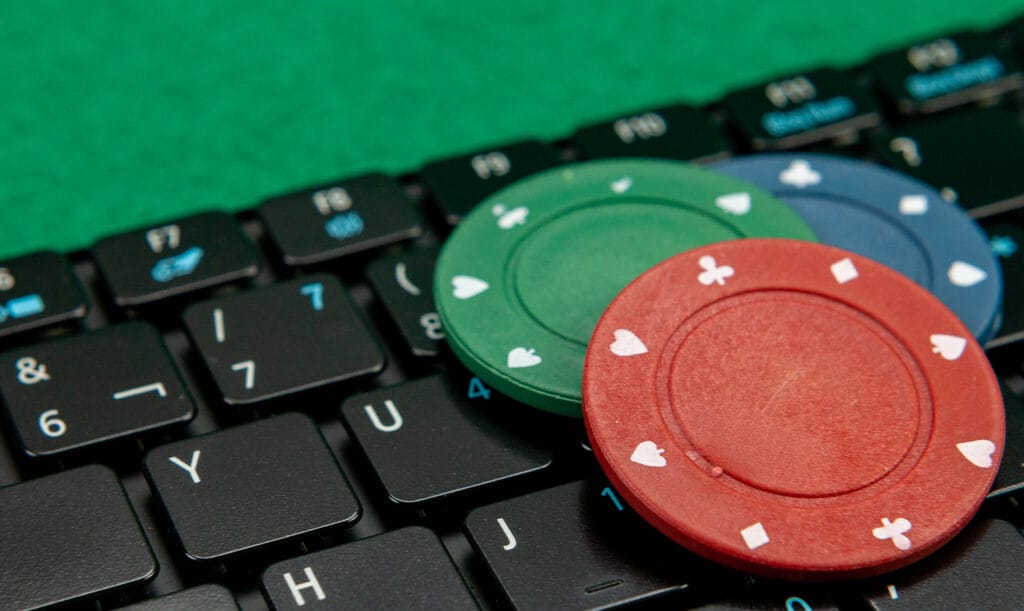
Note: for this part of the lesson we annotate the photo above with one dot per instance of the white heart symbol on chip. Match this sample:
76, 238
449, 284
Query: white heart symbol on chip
648, 453
913, 205
627, 344
979, 452
950, 347
519, 357
965, 274
465, 287
734, 203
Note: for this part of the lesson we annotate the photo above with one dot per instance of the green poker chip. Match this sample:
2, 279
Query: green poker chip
522, 281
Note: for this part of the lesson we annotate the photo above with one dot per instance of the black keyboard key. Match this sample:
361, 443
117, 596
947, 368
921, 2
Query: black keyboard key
340, 218
782, 596
208, 597
460, 183
405, 285
1006, 236
281, 339
38, 290
1010, 478
980, 569
945, 72
69, 537
675, 132
971, 155
80, 390
440, 435
193, 253
576, 546
402, 569
250, 486
802, 109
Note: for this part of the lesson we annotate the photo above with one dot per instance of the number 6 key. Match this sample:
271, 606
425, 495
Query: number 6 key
82, 390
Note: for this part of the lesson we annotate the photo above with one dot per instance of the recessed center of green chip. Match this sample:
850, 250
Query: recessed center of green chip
566, 272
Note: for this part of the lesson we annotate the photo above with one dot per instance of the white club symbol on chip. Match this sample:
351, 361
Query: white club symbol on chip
800, 174
894, 530
949, 347
520, 357
965, 274
844, 270
713, 272
754, 535
507, 219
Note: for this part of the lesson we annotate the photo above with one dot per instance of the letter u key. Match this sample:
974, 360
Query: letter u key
396, 418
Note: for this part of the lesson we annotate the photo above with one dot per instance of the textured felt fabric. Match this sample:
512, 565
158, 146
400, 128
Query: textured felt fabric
114, 114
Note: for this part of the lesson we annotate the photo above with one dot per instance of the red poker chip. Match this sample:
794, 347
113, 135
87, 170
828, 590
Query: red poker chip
792, 409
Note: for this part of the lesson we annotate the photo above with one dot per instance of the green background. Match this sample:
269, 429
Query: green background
116, 114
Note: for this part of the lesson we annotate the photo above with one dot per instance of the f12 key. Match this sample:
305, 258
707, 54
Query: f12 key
946, 72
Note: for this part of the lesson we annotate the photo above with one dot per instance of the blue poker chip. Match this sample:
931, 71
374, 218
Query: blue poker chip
891, 218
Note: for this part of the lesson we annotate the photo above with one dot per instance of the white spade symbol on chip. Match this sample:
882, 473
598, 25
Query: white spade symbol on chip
734, 203
648, 454
978, 452
965, 274
465, 287
949, 347
627, 344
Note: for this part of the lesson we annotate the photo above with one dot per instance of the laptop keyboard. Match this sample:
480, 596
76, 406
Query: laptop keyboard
258, 410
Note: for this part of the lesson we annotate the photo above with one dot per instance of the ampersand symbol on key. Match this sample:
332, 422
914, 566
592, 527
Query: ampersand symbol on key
31, 371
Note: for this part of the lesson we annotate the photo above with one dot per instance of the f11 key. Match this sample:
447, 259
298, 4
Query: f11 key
802, 109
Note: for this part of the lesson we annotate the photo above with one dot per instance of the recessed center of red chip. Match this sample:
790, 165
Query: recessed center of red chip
794, 394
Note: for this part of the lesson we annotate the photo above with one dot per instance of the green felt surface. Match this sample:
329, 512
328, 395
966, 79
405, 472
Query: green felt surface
116, 114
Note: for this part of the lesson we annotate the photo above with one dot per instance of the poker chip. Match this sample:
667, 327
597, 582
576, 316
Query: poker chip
792, 409
521, 282
891, 218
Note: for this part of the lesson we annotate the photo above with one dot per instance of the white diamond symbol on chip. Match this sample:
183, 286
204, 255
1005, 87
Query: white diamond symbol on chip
913, 205
799, 174
754, 535
844, 270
